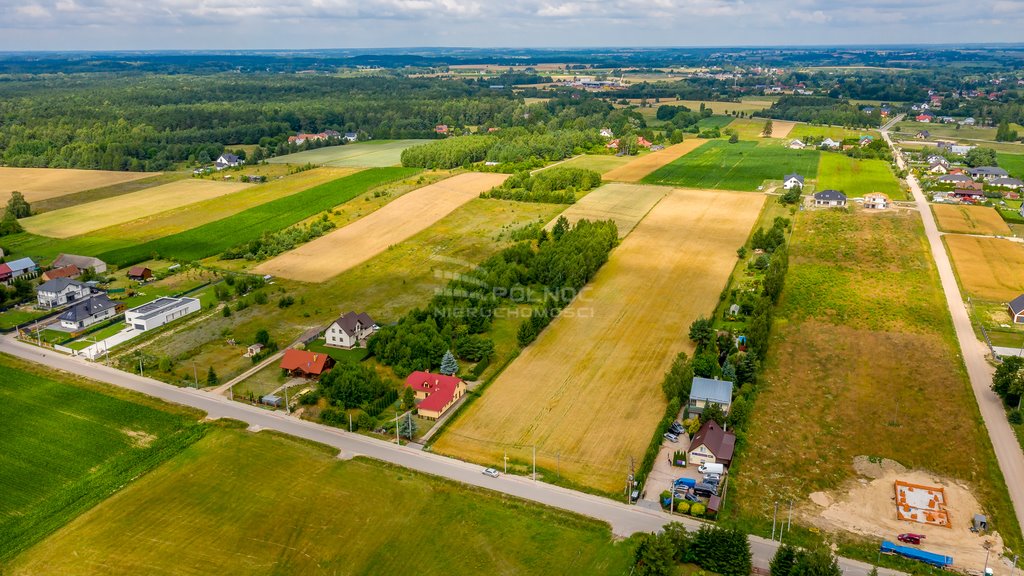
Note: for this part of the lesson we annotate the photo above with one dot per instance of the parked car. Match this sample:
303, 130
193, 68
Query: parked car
711, 468
713, 480
690, 497
676, 428
687, 482
671, 437
706, 490
910, 538
491, 472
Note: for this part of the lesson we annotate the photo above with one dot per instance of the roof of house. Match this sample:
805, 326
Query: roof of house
59, 284
796, 143
348, 321
830, 143
876, 196
1004, 181
4, 269
1017, 305
954, 178
968, 192
229, 157
70, 271
789, 177
87, 308
829, 195
924, 133
989, 170
138, 271
440, 388
718, 441
719, 391
82, 262
21, 264
308, 362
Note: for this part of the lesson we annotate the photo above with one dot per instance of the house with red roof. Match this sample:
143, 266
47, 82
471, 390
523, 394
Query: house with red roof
435, 393
924, 117
71, 271
306, 364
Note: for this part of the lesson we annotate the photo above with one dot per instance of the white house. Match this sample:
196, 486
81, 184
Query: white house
88, 312
159, 312
876, 201
790, 181
1006, 182
607, 133
937, 168
350, 330
61, 291
830, 198
830, 143
797, 145
227, 160
351, 136
1017, 309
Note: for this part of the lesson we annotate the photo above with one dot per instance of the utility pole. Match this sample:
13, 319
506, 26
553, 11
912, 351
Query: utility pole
789, 523
506, 461
140, 367
397, 439
288, 408
195, 373
558, 464
534, 462
774, 516
349, 421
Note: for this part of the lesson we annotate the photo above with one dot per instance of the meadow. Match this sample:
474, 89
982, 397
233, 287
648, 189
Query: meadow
970, 220
626, 204
84, 218
217, 236
587, 392
749, 128
862, 359
637, 168
1012, 163
69, 444
802, 130
987, 268
740, 166
282, 506
857, 177
42, 183
375, 153
947, 131
599, 163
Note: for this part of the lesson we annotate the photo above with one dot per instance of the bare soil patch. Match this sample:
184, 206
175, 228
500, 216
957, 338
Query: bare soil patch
782, 128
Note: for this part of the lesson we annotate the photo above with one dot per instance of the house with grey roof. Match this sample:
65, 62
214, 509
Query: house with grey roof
988, 172
226, 160
350, 330
61, 291
830, 143
82, 262
88, 312
830, 199
953, 179
1017, 309
18, 268
790, 181
1006, 182
705, 391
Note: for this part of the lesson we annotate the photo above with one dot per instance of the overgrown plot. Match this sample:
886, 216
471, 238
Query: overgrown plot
857, 177
738, 166
375, 153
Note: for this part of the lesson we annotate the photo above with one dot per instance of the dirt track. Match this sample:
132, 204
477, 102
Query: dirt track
644, 165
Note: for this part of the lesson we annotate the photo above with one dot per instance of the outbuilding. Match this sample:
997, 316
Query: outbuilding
1017, 309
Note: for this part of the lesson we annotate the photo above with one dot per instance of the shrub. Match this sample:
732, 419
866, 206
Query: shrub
683, 506
697, 509
1015, 417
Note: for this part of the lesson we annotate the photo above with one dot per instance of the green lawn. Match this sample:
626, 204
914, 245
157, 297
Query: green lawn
375, 153
15, 317
1012, 163
857, 177
354, 355
802, 130
714, 122
739, 166
748, 128
68, 444
93, 337
281, 506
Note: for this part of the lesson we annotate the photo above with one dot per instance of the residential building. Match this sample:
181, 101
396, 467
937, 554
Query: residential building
969, 121
924, 118
711, 444
82, 262
159, 312
253, 349
351, 136
226, 160
441, 129
936, 159
953, 179
876, 201
830, 198
968, 195
88, 312
607, 133
139, 273
831, 144
937, 168
705, 391
987, 172
923, 135
71, 271
350, 330
865, 140
435, 393
18, 268
61, 291
790, 181
306, 364
1005, 182
1017, 307
797, 145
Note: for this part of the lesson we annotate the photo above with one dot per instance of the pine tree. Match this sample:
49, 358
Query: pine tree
782, 562
211, 377
449, 366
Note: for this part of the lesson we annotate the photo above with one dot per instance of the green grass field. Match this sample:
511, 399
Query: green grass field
740, 166
714, 122
857, 177
68, 445
948, 131
375, 153
1012, 163
834, 132
748, 128
599, 163
281, 506
250, 224
14, 317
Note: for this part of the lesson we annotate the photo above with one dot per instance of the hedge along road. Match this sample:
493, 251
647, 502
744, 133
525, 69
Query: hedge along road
217, 236
624, 519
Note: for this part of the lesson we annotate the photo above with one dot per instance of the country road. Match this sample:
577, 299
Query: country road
1007, 449
624, 519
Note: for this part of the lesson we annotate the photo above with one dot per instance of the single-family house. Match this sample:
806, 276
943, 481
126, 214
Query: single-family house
71, 271
158, 312
924, 117
61, 291
705, 391
876, 201
435, 393
937, 168
306, 364
865, 140
607, 133
226, 160
82, 262
88, 312
797, 145
350, 330
1006, 182
969, 121
252, 350
657, 147
830, 144
968, 194
139, 273
830, 198
643, 142
711, 444
987, 172
441, 129
351, 136
937, 159
17, 268
923, 135
953, 179
1017, 308
790, 181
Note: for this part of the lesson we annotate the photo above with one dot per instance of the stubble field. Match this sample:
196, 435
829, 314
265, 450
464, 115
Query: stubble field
988, 268
42, 183
626, 204
970, 220
587, 392
635, 170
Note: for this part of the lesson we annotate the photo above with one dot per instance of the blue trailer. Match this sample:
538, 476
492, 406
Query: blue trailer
688, 482
937, 560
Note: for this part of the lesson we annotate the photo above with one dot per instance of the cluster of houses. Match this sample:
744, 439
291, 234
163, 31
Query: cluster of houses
303, 137
830, 144
969, 183
835, 198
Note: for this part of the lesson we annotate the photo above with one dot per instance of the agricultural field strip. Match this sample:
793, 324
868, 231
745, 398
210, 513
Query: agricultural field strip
395, 222
740, 166
644, 165
987, 268
587, 391
626, 204
84, 218
363, 154
42, 183
970, 220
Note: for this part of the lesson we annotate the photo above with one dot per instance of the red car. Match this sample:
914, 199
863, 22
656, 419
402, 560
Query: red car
911, 538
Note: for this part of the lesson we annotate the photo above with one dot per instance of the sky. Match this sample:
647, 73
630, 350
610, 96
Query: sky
300, 24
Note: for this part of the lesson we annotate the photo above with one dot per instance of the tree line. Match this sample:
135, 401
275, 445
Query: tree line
557, 185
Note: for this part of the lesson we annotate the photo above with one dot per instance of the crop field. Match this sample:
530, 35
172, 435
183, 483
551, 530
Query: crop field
602, 163
947, 131
862, 358
970, 220
626, 204
41, 183
749, 128
988, 268
587, 392
639, 167
109, 191
400, 219
740, 166
217, 236
857, 177
375, 153
68, 444
282, 506
802, 130
84, 218
1012, 163
726, 107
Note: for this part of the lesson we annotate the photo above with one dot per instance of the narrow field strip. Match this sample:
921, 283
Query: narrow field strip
42, 183
644, 165
626, 204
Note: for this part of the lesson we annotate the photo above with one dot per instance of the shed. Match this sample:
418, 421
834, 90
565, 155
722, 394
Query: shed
140, 273
271, 400
734, 310
980, 523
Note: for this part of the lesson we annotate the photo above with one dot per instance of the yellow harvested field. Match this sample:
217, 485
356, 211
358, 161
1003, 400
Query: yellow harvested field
626, 204
644, 165
330, 255
587, 392
970, 220
782, 128
83, 218
988, 268
42, 183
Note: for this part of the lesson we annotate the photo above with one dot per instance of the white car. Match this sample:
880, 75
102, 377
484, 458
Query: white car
491, 472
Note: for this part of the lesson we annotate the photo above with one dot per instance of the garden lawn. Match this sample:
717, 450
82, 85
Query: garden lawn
740, 166
250, 224
282, 506
1012, 163
857, 177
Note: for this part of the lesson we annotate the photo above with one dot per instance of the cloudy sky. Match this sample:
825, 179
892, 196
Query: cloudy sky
240, 24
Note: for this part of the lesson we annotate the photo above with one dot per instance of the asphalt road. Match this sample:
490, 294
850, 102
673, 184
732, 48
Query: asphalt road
1007, 449
624, 519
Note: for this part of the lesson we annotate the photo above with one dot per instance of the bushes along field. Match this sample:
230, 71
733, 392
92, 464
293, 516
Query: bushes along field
556, 185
